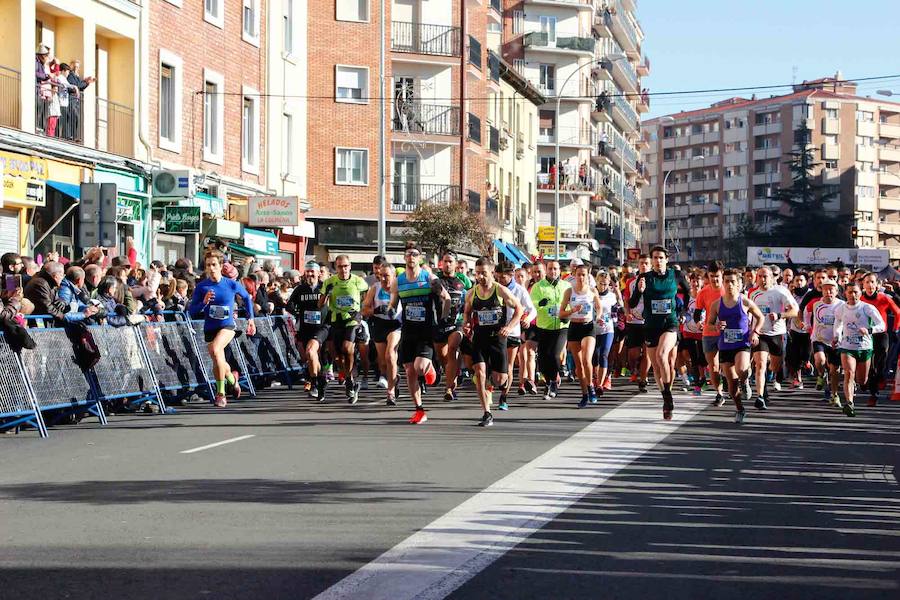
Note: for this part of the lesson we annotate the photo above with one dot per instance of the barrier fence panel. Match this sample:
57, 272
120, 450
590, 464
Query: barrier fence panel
236, 358
55, 380
171, 350
17, 403
262, 351
286, 333
123, 372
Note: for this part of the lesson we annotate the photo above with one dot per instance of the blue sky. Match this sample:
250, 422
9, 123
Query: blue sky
703, 44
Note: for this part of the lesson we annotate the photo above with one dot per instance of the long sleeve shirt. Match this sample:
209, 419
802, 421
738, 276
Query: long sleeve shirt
849, 320
884, 304
219, 311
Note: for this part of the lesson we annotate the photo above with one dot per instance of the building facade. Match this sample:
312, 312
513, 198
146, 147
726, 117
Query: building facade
585, 58
726, 162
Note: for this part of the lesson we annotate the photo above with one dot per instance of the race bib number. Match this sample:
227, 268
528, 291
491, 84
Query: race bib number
765, 309
344, 301
553, 311
828, 320
414, 313
734, 336
854, 339
218, 312
661, 307
489, 316
312, 317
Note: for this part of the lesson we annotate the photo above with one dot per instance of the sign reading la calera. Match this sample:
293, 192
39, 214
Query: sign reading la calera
274, 211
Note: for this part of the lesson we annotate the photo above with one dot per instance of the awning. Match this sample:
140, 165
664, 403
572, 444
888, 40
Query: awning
509, 254
524, 258
69, 189
250, 252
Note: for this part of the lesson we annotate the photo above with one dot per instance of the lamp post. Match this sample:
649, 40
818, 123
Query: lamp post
663, 219
612, 58
887, 93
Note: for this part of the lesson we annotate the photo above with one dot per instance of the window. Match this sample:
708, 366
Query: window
697, 152
251, 14
250, 131
287, 46
830, 139
668, 132
352, 10
865, 191
547, 119
865, 116
548, 26
864, 140
668, 154
213, 115
866, 167
548, 77
766, 118
213, 12
518, 22
546, 163
832, 113
696, 128
170, 70
287, 145
831, 164
351, 84
351, 166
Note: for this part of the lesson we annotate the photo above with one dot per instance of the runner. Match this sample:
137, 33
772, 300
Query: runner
776, 305
213, 299
385, 327
312, 330
880, 341
528, 349
812, 295
691, 344
635, 344
448, 331
417, 289
610, 307
797, 354
731, 316
547, 296
818, 319
580, 304
514, 347
709, 295
485, 304
343, 293
854, 324
658, 289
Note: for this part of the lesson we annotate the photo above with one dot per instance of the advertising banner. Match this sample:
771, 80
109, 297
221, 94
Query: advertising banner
274, 211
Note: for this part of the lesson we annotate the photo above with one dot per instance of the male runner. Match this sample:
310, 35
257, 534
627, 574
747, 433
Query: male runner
514, 346
485, 310
214, 300
418, 290
797, 354
819, 321
880, 341
312, 328
776, 305
635, 345
448, 331
709, 295
547, 296
343, 293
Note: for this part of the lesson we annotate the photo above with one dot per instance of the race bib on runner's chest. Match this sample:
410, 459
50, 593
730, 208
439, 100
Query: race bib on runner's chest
414, 313
344, 301
312, 317
854, 339
828, 320
219, 312
661, 307
734, 336
489, 316
765, 309
553, 311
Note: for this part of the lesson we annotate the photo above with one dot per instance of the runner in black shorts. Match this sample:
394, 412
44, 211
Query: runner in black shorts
486, 305
385, 327
448, 331
312, 330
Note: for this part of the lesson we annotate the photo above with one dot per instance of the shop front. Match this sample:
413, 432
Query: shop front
24, 188
132, 210
171, 242
257, 244
53, 225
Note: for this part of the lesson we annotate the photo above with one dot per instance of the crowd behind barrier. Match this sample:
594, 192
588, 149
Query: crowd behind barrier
140, 367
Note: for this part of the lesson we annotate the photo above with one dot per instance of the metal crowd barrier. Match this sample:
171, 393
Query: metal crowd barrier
148, 362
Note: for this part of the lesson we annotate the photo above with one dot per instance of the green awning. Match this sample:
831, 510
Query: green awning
250, 252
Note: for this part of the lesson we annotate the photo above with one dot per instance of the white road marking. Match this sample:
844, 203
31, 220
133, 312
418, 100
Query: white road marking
435, 561
222, 443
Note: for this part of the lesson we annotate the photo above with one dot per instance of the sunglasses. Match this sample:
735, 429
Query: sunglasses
415, 253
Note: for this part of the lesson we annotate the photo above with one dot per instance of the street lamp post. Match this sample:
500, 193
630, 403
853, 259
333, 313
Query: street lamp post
611, 58
663, 219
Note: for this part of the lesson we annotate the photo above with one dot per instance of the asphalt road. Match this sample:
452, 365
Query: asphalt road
798, 502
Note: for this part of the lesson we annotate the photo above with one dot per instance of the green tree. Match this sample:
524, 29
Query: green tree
746, 233
802, 219
439, 225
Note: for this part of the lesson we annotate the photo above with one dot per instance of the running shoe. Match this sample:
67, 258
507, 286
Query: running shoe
624, 372
795, 383
642, 387
698, 391
592, 395
521, 390
487, 420
503, 404
686, 380
307, 387
348, 388
607, 385
848, 409
236, 386
760, 403
668, 405
873, 400
826, 394
634, 378
448, 396
748, 391
800, 387
418, 416
220, 401
820, 382
382, 382
776, 385
836, 401
739, 415
356, 386
553, 389
391, 401
584, 401
530, 387
719, 401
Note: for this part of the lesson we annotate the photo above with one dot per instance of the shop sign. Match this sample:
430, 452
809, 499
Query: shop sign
182, 219
22, 192
263, 242
273, 211
26, 167
128, 210
546, 233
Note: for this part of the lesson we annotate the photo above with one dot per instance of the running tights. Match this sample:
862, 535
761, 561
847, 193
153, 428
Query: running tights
601, 350
551, 343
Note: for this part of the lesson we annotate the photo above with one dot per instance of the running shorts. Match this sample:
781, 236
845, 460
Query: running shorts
773, 344
728, 356
634, 335
652, 335
579, 331
307, 333
382, 327
831, 354
490, 350
415, 344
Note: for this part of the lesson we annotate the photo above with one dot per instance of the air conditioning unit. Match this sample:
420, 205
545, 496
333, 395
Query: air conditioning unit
179, 184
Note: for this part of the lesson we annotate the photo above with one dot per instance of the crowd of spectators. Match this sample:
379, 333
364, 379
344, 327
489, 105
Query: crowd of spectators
58, 92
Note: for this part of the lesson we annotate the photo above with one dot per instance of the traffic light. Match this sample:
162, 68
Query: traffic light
854, 231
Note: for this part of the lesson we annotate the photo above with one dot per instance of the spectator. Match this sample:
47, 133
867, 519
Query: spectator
184, 270
279, 296
42, 291
72, 293
263, 306
92, 276
75, 102
107, 293
63, 89
181, 298
43, 89
123, 293
11, 263
29, 269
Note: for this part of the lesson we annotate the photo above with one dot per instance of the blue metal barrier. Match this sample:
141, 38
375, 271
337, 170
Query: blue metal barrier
233, 353
17, 403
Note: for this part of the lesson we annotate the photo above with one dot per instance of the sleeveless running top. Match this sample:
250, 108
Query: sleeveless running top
489, 313
381, 303
585, 300
418, 301
737, 326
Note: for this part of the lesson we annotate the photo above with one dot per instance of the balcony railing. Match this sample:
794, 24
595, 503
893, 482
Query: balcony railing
432, 119
10, 98
474, 132
407, 196
474, 52
474, 199
628, 28
422, 38
623, 105
53, 120
540, 39
494, 66
115, 128
494, 140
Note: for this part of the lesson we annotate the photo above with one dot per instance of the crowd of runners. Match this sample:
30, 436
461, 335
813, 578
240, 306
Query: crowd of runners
737, 334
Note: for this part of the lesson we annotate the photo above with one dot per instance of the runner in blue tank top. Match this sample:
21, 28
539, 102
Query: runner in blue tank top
731, 316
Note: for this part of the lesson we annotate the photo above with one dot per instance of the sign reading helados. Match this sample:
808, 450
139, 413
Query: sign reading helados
273, 211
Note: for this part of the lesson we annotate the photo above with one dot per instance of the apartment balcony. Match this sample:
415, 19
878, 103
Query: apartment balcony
474, 129
890, 203
493, 67
492, 210
889, 228
643, 67
493, 139
889, 153
572, 45
67, 126
115, 128
569, 137
586, 5
889, 130
417, 118
620, 151
766, 204
643, 102
423, 38
10, 98
601, 109
764, 153
626, 35
407, 196
624, 114
625, 75
546, 184
496, 10
602, 23
474, 52
767, 128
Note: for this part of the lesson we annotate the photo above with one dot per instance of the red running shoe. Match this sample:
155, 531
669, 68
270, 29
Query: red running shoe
430, 375
607, 384
418, 417
634, 378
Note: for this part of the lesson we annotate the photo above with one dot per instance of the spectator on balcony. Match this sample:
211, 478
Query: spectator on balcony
75, 101
602, 101
582, 174
604, 140
53, 110
571, 172
43, 89
63, 90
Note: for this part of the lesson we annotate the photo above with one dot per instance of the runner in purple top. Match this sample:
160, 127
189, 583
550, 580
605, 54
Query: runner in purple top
732, 313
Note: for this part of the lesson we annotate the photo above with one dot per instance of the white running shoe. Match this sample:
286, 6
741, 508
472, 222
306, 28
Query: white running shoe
777, 386
382, 383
